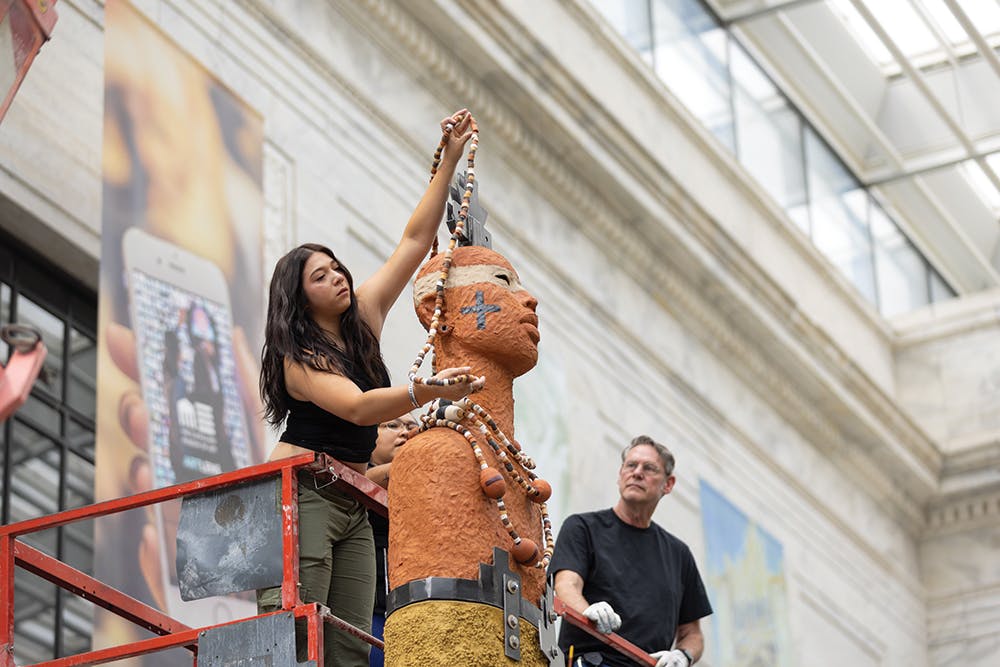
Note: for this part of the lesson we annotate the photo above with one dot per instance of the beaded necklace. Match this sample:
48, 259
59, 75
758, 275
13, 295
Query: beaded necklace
462, 414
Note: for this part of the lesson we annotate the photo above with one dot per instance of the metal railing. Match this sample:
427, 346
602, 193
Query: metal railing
172, 633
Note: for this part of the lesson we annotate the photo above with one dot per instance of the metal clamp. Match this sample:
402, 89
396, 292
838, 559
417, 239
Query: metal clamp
511, 611
548, 639
475, 223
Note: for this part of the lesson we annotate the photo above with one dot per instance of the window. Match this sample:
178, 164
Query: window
47, 447
704, 65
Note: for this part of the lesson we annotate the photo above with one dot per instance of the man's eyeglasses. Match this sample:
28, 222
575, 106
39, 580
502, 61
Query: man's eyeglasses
396, 425
647, 468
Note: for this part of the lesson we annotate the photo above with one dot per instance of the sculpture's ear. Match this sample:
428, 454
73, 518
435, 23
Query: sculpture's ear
425, 308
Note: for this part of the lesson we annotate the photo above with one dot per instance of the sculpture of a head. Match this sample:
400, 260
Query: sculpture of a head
487, 312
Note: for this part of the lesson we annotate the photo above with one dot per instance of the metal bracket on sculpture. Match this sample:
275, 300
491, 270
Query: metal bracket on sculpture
511, 613
548, 639
497, 586
474, 230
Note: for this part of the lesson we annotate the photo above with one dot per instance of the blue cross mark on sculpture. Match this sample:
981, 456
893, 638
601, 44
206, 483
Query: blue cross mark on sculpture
480, 309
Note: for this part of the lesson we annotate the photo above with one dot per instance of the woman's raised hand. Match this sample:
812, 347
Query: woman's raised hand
463, 383
461, 122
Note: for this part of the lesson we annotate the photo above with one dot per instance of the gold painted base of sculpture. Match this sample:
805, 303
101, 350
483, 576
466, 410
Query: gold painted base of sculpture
448, 632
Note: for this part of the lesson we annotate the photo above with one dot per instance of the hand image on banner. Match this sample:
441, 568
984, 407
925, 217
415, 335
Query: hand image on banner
178, 342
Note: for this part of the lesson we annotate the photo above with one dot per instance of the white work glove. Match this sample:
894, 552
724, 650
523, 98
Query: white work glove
604, 617
670, 659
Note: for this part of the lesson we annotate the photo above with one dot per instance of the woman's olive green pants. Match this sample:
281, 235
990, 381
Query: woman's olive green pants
336, 568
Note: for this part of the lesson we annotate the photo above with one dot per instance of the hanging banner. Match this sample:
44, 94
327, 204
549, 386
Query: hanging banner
745, 576
180, 316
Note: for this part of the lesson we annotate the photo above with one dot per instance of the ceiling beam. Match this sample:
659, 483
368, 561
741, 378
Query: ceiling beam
932, 25
990, 56
905, 172
764, 11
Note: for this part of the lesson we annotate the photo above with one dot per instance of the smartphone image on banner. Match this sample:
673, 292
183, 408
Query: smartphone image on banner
182, 320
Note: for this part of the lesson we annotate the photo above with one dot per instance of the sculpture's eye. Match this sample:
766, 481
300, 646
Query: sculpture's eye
504, 277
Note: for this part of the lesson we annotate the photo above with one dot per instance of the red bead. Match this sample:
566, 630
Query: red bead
525, 552
544, 490
493, 483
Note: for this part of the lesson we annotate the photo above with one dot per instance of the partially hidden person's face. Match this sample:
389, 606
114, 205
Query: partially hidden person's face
490, 312
641, 478
325, 286
392, 435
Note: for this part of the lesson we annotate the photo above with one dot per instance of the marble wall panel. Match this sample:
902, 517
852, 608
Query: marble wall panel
949, 377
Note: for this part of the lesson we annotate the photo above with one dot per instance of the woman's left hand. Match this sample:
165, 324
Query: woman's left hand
466, 383
461, 132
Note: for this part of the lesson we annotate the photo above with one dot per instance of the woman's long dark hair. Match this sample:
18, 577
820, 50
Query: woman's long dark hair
291, 333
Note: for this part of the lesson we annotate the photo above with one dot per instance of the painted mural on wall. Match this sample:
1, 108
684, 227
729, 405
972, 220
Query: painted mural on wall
746, 583
179, 305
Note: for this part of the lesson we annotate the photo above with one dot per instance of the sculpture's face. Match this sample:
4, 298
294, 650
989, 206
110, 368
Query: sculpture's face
495, 316
488, 311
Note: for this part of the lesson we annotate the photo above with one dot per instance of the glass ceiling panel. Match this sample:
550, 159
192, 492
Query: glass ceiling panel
905, 27
866, 37
945, 21
984, 14
974, 174
994, 161
910, 31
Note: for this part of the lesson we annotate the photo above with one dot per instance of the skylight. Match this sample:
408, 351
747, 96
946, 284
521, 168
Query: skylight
898, 18
980, 183
945, 21
926, 31
984, 14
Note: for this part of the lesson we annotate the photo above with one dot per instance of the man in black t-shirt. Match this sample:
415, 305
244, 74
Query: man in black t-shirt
621, 570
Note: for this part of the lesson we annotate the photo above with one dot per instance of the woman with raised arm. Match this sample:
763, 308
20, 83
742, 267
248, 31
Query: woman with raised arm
322, 374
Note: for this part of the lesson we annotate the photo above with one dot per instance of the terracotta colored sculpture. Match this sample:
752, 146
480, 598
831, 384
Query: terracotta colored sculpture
442, 523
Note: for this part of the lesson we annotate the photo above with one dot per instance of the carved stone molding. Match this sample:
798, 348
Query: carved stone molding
966, 512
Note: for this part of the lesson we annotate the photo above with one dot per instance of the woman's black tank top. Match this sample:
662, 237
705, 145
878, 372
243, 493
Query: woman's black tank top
314, 428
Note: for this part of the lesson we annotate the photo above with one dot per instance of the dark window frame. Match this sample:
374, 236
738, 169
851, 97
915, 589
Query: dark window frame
29, 275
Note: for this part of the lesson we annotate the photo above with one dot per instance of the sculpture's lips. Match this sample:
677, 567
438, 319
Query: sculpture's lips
532, 322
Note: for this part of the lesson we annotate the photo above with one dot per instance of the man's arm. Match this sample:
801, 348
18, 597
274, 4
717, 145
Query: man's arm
569, 588
690, 639
570, 591
688, 643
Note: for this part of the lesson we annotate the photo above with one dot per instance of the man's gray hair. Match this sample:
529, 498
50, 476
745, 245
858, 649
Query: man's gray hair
665, 456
